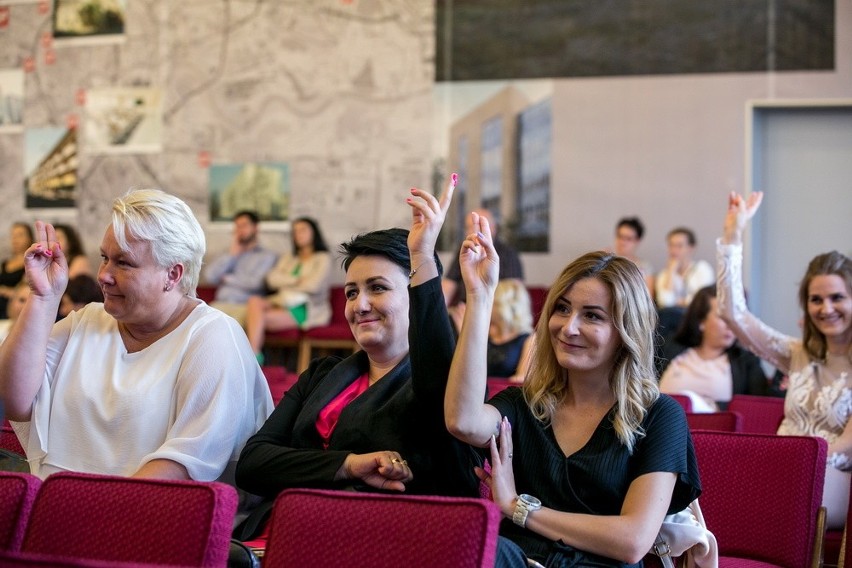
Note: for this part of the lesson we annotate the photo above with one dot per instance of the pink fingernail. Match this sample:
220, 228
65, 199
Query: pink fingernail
455, 178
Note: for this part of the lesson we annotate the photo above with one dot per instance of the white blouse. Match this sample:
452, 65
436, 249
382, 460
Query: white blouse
193, 397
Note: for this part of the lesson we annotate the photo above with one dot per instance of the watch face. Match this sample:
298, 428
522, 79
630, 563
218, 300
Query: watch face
530, 500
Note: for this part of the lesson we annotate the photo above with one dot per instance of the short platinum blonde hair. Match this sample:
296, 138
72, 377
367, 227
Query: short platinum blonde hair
168, 225
512, 307
632, 380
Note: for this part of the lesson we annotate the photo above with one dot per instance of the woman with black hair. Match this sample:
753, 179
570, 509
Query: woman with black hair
710, 367
300, 281
373, 421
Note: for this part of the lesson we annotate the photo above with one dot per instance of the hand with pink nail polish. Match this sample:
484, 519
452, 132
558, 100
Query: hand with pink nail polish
46, 266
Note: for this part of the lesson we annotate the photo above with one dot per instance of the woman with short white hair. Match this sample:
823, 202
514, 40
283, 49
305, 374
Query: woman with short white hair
150, 383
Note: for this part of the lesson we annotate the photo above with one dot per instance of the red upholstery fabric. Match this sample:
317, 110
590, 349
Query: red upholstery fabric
24, 559
761, 494
206, 293
279, 379
721, 421
340, 528
831, 547
761, 414
283, 338
538, 295
496, 384
683, 400
108, 518
9, 440
17, 493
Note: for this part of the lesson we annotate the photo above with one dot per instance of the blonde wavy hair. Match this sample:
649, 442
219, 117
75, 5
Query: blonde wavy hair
512, 308
632, 379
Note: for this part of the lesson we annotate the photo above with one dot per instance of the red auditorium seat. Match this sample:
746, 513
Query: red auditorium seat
720, 421
313, 527
9, 440
761, 414
763, 514
280, 380
17, 493
120, 519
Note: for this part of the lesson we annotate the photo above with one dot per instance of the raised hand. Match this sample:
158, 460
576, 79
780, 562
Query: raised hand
501, 480
427, 218
382, 470
480, 265
740, 211
46, 266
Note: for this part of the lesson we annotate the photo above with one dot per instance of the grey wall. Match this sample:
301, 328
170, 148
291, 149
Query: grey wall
345, 98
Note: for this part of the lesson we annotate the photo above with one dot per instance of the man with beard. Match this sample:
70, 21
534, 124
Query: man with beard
240, 273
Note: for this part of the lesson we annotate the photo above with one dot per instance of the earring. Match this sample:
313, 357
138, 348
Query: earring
167, 288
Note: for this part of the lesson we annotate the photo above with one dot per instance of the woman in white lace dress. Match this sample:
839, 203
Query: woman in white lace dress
819, 395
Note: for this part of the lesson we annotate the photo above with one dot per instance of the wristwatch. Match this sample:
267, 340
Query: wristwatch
523, 507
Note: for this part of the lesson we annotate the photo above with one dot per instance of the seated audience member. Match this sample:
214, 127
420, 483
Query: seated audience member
683, 277
240, 274
586, 457
81, 290
72, 246
373, 421
628, 235
301, 281
12, 268
510, 332
151, 383
510, 266
16, 304
708, 365
819, 366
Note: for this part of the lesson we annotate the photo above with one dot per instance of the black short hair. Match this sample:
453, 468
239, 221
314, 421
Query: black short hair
634, 223
247, 213
389, 243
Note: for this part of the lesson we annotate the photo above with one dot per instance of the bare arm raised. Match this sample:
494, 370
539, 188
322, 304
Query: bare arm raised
468, 418
23, 354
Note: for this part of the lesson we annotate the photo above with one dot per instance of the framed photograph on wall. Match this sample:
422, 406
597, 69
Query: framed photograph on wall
50, 166
89, 19
261, 187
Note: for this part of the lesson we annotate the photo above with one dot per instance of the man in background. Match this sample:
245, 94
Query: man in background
241, 273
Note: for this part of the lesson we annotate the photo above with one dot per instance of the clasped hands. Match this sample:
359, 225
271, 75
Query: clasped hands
383, 470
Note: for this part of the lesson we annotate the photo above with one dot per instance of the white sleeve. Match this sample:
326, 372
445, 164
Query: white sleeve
755, 335
221, 397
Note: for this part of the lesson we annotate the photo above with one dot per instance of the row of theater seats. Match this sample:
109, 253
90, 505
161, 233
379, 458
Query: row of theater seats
755, 508
762, 515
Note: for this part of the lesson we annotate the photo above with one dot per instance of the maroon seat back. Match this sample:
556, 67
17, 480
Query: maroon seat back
682, 400
279, 379
311, 527
538, 295
761, 414
721, 421
9, 559
761, 495
9, 440
17, 493
121, 519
